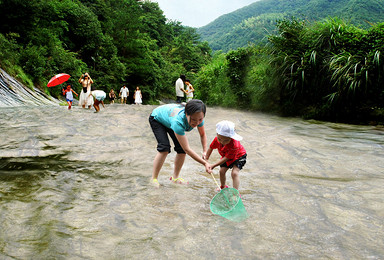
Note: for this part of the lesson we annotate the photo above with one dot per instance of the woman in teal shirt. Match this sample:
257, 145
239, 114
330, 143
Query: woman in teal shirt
174, 120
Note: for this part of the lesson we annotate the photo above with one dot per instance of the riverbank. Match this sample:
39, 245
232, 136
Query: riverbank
14, 93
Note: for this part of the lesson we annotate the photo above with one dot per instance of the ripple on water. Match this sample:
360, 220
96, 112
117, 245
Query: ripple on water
75, 184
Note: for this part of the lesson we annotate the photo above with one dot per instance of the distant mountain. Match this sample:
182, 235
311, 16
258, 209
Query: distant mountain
252, 23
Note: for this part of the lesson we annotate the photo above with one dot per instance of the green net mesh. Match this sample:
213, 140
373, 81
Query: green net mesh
227, 203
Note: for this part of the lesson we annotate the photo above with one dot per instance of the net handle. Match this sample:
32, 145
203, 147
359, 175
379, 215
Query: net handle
215, 181
226, 199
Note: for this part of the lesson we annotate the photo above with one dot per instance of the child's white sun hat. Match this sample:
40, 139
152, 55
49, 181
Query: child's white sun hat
227, 128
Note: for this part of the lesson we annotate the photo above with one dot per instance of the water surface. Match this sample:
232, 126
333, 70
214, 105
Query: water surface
75, 185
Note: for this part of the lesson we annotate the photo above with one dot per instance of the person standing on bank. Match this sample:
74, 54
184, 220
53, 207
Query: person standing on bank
179, 87
174, 120
112, 96
137, 96
124, 93
189, 90
85, 94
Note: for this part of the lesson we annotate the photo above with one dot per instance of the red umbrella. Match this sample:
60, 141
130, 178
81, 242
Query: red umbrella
58, 79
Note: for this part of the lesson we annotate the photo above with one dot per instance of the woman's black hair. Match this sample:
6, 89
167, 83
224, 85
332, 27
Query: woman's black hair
195, 106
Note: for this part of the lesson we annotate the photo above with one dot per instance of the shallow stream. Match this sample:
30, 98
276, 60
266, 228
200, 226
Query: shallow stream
75, 185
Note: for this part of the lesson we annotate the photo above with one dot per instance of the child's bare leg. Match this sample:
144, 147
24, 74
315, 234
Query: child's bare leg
223, 171
236, 177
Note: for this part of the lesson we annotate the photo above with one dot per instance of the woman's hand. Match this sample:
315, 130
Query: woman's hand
208, 168
204, 156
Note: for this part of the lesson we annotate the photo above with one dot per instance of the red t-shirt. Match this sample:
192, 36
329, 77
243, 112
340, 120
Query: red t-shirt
233, 151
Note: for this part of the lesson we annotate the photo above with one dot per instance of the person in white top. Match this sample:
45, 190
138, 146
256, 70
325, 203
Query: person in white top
124, 93
179, 87
99, 97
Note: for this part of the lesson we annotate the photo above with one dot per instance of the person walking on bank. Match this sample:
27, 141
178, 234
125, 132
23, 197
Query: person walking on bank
179, 87
189, 90
137, 96
68, 95
112, 96
124, 93
85, 95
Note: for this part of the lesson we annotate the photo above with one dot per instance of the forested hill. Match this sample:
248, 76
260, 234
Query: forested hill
252, 23
116, 41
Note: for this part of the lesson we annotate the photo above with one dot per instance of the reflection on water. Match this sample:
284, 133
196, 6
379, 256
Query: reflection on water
75, 185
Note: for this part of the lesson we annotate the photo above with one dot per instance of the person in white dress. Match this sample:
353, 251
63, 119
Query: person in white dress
137, 96
189, 90
86, 99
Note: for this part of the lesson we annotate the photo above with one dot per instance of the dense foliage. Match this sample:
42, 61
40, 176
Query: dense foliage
329, 69
326, 70
116, 41
253, 23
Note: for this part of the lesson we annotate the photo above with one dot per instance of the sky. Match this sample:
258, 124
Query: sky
197, 13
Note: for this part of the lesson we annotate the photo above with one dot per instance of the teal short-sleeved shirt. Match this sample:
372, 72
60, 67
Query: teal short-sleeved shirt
173, 116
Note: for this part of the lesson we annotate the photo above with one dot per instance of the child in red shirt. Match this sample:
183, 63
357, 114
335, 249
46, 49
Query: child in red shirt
233, 154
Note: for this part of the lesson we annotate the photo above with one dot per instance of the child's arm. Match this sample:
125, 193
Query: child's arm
102, 102
208, 154
220, 162
203, 139
74, 92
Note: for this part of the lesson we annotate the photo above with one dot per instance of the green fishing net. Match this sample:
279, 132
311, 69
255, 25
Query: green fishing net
227, 203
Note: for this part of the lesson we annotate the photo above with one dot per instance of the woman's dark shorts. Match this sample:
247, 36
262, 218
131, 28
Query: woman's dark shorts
239, 162
160, 132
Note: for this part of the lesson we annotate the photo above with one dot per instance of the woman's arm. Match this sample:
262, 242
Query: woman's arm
203, 139
187, 149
